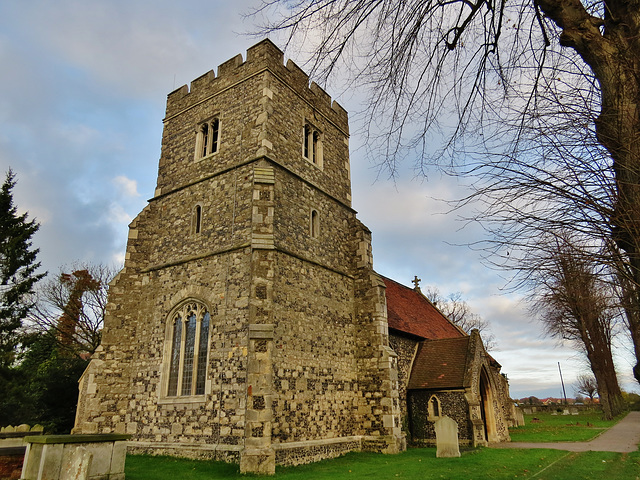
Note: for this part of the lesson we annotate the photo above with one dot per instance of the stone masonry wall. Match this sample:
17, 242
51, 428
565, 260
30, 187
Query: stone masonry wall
166, 263
284, 128
315, 364
332, 247
481, 369
406, 349
503, 404
134, 367
453, 404
378, 408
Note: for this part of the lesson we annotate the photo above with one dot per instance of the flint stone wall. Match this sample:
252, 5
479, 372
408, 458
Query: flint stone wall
406, 348
453, 404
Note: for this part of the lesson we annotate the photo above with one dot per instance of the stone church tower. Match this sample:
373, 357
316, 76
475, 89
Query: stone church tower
247, 323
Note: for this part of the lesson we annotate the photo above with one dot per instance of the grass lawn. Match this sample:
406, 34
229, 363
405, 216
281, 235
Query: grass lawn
416, 463
422, 464
561, 428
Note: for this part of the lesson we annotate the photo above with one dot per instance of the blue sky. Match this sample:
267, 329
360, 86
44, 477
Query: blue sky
84, 86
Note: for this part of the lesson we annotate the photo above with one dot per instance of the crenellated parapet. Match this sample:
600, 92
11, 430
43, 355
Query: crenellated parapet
262, 56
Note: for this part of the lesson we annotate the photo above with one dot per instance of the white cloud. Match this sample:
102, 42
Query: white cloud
138, 47
118, 215
126, 186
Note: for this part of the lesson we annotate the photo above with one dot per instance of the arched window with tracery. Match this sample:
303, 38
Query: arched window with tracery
189, 326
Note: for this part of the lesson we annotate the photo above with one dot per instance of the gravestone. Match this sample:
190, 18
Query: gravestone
519, 417
447, 438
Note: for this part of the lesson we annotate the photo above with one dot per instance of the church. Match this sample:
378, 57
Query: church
248, 323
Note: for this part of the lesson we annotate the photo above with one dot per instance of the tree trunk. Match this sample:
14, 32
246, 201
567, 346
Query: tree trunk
610, 395
601, 360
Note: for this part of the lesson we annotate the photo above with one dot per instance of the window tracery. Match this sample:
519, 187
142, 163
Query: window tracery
190, 326
312, 148
208, 138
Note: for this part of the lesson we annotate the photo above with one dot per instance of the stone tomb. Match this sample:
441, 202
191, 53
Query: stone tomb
86, 457
12, 448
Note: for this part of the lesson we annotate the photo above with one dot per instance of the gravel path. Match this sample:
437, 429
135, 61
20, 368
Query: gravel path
623, 437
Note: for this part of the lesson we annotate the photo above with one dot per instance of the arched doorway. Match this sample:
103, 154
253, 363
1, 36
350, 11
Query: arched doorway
486, 407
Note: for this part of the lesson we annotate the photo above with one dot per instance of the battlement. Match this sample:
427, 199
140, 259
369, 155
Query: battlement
262, 56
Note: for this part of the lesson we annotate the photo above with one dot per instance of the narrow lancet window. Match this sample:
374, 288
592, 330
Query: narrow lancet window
189, 350
434, 408
316, 140
197, 219
215, 130
314, 224
305, 141
205, 140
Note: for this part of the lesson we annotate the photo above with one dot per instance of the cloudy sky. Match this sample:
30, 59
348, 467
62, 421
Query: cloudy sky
82, 97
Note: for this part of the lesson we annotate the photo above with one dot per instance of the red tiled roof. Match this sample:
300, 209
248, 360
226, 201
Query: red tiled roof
440, 364
410, 312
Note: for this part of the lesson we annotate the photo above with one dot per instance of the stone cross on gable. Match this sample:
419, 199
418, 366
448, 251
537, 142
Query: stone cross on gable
416, 283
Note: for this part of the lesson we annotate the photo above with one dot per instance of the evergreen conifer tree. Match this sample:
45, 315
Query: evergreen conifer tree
17, 270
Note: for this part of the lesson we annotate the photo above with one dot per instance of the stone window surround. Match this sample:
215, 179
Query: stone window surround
212, 124
312, 145
432, 414
197, 215
163, 397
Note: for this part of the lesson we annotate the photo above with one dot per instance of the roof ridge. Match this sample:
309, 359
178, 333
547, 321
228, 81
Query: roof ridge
410, 311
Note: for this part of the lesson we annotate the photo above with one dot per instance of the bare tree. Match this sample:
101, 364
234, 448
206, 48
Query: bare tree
459, 312
586, 385
73, 306
517, 87
577, 305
